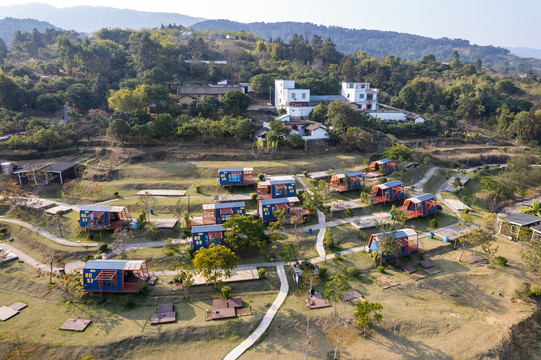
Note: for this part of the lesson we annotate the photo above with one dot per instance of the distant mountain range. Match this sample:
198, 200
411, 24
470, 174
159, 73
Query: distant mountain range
88, 19
9, 26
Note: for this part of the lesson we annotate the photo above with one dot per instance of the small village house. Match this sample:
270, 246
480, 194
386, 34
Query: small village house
512, 225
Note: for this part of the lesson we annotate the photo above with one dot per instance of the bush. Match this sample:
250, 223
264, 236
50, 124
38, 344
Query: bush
261, 176
168, 252
191, 252
415, 164
434, 224
305, 173
522, 290
226, 292
142, 220
98, 257
60, 213
382, 180
253, 196
3, 231
381, 269
88, 257
144, 289
313, 182
351, 271
116, 194
262, 272
500, 261
535, 291
154, 232
103, 248
198, 189
322, 272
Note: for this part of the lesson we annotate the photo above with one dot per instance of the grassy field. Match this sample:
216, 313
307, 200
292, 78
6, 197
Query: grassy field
434, 183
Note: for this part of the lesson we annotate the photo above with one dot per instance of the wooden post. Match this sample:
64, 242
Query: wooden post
59, 226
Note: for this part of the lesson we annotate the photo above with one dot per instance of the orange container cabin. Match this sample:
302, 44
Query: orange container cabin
218, 213
236, 177
117, 276
381, 168
104, 217
291, 205
347, 182
388, 192
420, 206
275, 189
407, 239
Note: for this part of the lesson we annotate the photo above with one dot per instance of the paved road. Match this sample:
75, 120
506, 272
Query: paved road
419, 185
48, 235
267, 319
71, 266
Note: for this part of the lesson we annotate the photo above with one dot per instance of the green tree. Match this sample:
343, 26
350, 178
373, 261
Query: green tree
263, 84
398, 152
408, 97
260, 47
245, 232
312, 201
289, 253
278, 133
319, 113
335, 288
235, 103
164, 125
9, 92
356, 139
367, 313
127, 100
47, 102
215, 263
525, 126
118, 129
185, 276
535, 209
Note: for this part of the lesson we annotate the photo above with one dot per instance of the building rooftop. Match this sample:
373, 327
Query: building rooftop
103, 208
523, 219
208, 228
207, 90
279, 201
390, 184
114, 264
61, 166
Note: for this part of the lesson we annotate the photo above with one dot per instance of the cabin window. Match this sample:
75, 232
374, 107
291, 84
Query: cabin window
362, 86
108, 283
419, 206
303, 95
280, 192
224, 217
369, 96
235, 177
350, 85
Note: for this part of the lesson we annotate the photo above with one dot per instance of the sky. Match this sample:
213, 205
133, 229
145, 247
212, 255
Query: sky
483, 22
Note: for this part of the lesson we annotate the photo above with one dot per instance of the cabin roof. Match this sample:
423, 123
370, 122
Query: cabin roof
280, 201
384, 161
277, 182
103, 208
402, 233
208, 228
523, 219
390, 184
224, 205
236, 169
61, 166
114, 264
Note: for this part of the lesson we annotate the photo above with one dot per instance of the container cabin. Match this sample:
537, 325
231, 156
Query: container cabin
381, 168
96, 217
388, 192
276, 189
115, 276
291, 205
347, 182
511, 225
407, 239
206, 235
236, 177
218, 213
420, 206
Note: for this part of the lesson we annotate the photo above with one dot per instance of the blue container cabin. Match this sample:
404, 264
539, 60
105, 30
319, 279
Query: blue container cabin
291, 205
347, 182
95, 217
204, 236
381, 168
115, 276
407, 239
218, 213
236, 177
388, 192
275, 189
420, 206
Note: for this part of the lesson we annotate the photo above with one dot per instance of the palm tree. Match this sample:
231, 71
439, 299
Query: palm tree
535, 209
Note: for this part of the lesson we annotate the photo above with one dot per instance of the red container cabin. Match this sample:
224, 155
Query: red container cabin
388, 192
407, 239
347, 182
381, 168
117, 276
420, 206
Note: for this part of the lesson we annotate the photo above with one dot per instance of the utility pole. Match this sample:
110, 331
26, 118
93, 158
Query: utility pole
59, 226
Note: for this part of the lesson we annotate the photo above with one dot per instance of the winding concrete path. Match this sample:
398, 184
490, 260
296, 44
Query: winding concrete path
46, 234
322, 226
419, 185
267, 318
71, 266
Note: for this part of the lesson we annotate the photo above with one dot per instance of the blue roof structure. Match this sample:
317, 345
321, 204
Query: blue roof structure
279, 201
102, 208
208, 228
228, 205
281, 182
425, 197
234, 169
393, 183
106, 264
397, 235
355, 173
385, 161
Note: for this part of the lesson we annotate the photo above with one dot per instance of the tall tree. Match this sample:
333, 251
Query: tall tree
215, 263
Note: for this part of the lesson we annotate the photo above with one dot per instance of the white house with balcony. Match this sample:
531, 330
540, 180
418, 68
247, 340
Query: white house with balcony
296, 102
361, 94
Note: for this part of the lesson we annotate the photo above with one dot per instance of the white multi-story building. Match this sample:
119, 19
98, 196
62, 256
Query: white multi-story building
361, 94
296, 102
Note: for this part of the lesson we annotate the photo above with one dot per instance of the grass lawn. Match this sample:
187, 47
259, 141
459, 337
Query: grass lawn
434, 183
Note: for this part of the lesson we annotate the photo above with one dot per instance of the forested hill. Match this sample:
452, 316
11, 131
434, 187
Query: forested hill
9, 26
381, 43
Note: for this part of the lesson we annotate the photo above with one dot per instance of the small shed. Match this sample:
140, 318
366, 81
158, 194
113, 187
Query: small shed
219, 213
204, 236
511, 225
382, 167
347, 182
59, 172
117, 276
33, 174
420, 206
274, 189
104, 217
236, 177
388, 192
266, 208
407, 239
